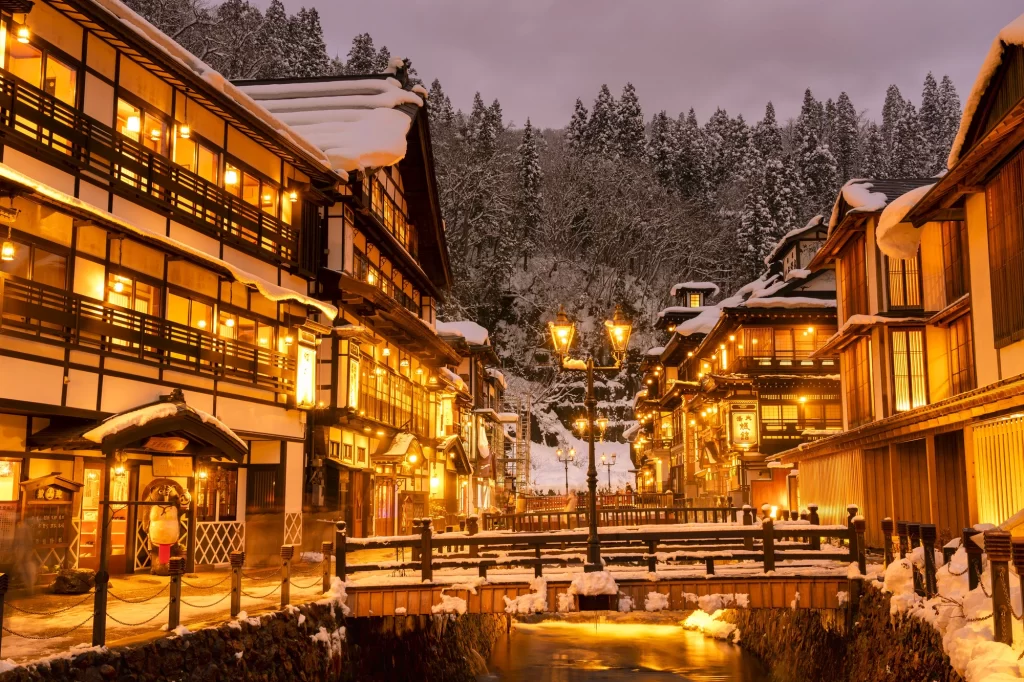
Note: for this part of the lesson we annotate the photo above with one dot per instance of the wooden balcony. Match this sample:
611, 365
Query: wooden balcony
47, 128
35, 310
785, 364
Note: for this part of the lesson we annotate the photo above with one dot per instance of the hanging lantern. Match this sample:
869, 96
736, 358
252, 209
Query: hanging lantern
23, 34
133, 124
155, 134
562, 331
619, 329
293, 196
184, 131
231, 176
7, 251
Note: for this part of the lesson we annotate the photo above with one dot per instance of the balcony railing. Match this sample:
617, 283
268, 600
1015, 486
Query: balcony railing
371, 274
796, 363
393, 399
61, 131
47, 312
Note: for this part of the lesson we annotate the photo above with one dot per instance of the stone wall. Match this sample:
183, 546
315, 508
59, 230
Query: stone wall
311, 642
808, 646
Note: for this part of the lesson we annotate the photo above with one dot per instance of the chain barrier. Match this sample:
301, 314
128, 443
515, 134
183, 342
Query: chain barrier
49, 613
62, 633
270, 572
315, 568
205, 606
981, 584
253, 596
950, 570
206, 587
140, 601
305, 587
133, 625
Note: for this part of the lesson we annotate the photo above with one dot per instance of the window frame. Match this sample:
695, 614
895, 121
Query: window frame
911, 295
962, 378
956, 266
1005, 228
858, 390
912, 396
852, 286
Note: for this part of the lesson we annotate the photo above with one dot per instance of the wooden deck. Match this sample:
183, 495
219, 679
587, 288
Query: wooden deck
769, 592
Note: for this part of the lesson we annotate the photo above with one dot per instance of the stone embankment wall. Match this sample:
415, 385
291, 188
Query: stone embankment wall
808, 646
310, 642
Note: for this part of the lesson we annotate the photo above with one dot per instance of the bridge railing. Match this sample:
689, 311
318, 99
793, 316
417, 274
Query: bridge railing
542, 520
766, 543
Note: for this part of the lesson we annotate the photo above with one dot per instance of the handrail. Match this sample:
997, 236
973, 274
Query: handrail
46, 311
609, 516
98, 149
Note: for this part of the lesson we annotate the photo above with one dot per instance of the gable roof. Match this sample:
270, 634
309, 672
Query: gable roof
870, 195
813, 225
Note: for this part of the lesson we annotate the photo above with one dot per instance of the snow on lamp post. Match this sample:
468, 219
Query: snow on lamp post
563, 330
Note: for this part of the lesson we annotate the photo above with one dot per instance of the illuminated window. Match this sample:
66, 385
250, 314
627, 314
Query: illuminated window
908, 369
961, 355
904, 283
694, 300
856, 368
195, 157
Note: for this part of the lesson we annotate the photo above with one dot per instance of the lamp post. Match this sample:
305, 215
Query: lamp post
608, 463
566, 457
562, 332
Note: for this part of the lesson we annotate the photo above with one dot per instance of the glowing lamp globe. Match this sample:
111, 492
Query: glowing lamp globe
619, 328
562, 332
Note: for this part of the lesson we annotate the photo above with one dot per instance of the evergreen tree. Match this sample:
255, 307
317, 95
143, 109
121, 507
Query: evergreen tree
308, 55
439, 106
630, 125
530, 178
239, 27
844, 138
362, 57
931, 124
476, 122
493, 126
693, 163
903, 158
768, 135
949, 104
726, 147
891, 112
576, 133
273, 41
872, 152
828, 122
821, 180
807, 130
663, 149
602, 128
383, 60
768, 211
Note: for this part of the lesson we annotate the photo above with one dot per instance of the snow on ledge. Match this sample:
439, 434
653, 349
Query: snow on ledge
1011, 34
898, 239
858, 195
697, 286
473, 333
790, 302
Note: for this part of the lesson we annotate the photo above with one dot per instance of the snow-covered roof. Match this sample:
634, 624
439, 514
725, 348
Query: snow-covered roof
655, 352
681, 309
702, 324
147, 413
859, 197
695, 286
358, 124
454, 379
798, 273
790, 302
474, 334
812, 224
272, 291
120, 13
400, 444
498, 376
898, 239
1011, 34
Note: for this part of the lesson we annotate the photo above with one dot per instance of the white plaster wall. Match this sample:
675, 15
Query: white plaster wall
82, 387
38, 170
29, 381
262, 419
293, 477
981, 291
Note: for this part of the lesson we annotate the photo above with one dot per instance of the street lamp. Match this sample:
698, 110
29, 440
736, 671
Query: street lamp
608, 463
566, 457
562, 332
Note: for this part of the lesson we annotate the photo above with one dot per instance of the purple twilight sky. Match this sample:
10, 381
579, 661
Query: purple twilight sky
538, 56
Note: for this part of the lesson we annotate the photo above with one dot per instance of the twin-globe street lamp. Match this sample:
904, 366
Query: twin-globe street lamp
608, 462
562, 332
566, 457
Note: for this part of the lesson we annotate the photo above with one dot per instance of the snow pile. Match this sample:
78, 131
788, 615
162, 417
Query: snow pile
333, 640
625, 604
454, 379
842, 596
796, 601
498, 376
336, 596
656, 351
898, 239
474, 334
470, 585
533, 602
136, 418
656, 601
401, 611
859, 197
702, 324
1011, 34
357, 123
790, 302
590, 584
181, 631
574, 363
709, 603
449, 604
566, 601
712, 625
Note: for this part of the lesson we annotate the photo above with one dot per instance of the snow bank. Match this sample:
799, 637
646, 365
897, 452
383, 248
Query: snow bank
336, 596
709, 603
474, 334
332, 640
1011, 34
896, 238
590, 584
712, 626
533, 602
656, 601
566, 601
625, 604
450, 604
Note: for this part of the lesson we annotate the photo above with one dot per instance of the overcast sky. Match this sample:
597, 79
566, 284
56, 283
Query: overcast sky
538, 56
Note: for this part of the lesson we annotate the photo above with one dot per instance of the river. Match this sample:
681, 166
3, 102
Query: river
555, 651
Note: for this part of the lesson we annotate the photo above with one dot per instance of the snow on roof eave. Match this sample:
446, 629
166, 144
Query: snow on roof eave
1011, 34
272, 291
155, 38
814, 222
896, 238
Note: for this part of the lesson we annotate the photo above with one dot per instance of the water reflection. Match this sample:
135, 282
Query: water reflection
555, 651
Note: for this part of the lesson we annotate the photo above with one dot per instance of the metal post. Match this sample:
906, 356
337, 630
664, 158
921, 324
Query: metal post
175, 567
326, 548
340, 550
748, 520
997, 546
887, 528
5, 580
99, 618
974, 557
812, 516
472, 528
190, 542
594, 562
901, 530
652, 560
928, 535
237, 559
426, 567
287, 552
768, 544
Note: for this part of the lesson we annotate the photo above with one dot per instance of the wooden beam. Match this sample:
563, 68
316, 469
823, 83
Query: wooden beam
896, 495
933, 488
971, 477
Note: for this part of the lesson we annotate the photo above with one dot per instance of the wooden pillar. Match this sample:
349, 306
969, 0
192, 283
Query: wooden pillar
970, 477
997, 546
894, 492
99, 620
237, 559
933, 485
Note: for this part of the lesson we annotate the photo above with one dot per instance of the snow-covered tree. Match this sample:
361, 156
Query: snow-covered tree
931, 122
844, 139
949, 104
576, 133
663, 149
383, 59
872, 152
892, 110
768, 135
602, 127
439, 106
362, 56
630, 125
308, 54
903, 158
769, 211
530, 178
821, 180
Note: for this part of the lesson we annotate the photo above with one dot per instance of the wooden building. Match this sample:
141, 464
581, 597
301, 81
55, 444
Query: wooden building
737, 383
932, 321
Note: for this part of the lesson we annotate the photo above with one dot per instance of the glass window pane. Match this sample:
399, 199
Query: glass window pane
185, 154
21, 265
129, 120
268, 199
232, 179
208, 162
147, 299
177, 309
246, 330
265, 336
26, 62
201, 316
49, 268
226, 324
61, 81
155, 134
287, 207
250, 189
